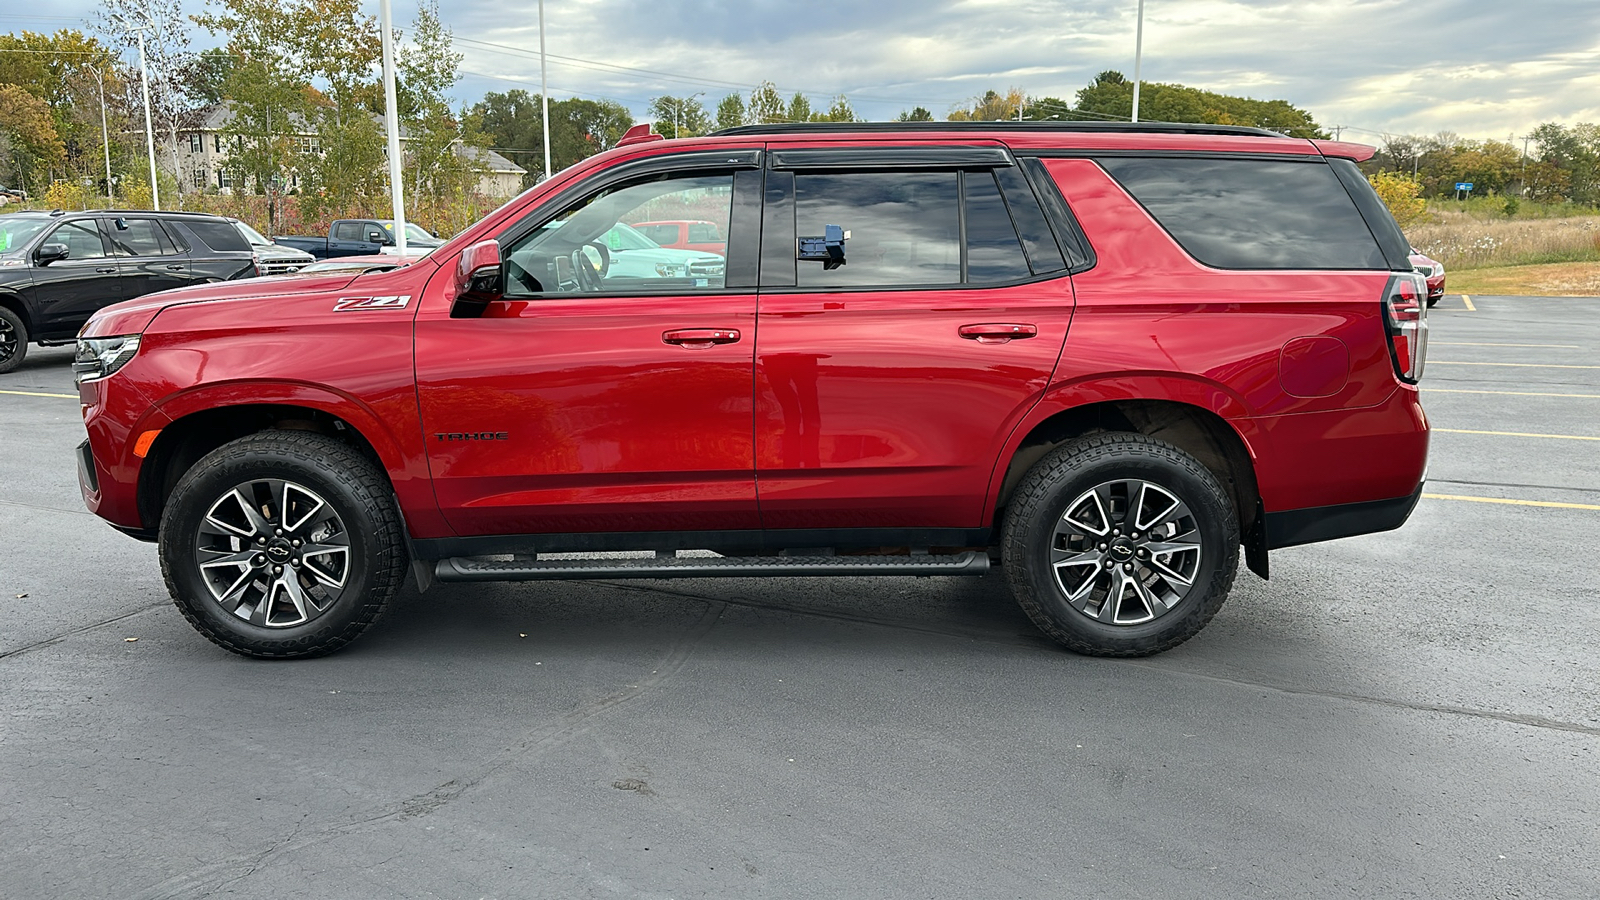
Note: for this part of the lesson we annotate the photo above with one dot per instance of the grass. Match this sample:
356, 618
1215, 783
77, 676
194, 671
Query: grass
1463, 240
1568, 279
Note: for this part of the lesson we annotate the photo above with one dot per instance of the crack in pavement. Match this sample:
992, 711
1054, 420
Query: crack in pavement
74, 512
535, 741
1512, 484
39, 645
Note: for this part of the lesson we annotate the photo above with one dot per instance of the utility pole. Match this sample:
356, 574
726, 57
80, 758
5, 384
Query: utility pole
149, 129
105, 138
392, 124
1138, 59
544, 94
1338, 130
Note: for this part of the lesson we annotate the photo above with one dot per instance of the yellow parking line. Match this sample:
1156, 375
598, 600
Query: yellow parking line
1496, 344
1452, 362
1507, 502
1468, 301
37, 394
1564, 437
1509, 393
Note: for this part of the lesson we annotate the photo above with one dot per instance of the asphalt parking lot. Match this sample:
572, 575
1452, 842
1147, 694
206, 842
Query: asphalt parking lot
1405, 714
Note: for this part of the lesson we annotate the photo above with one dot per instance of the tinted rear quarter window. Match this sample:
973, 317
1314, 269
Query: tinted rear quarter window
220, 235
1253, 214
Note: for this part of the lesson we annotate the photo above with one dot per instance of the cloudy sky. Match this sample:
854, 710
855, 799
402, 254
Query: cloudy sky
1480, 68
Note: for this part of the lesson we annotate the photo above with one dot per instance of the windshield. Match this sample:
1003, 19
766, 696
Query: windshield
414, 231
17, 231
253, 236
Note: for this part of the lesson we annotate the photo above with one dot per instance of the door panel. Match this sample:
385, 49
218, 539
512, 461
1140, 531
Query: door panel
873, 410
68, 291
575, 415
147, 260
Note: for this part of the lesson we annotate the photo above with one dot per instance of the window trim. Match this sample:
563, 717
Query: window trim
106, 251
890, 157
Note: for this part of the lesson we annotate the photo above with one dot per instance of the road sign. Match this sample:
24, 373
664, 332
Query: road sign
1463, 185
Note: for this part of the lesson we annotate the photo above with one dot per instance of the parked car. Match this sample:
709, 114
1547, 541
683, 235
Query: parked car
705, 237
361, 265
13, 193
1433, 271
880, 382
272, 258
359, 237
622, 257
57, 269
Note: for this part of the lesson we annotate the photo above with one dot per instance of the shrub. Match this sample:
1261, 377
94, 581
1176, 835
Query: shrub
1402, 195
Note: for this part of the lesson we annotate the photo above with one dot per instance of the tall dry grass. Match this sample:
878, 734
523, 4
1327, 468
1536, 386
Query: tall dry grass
1462, 240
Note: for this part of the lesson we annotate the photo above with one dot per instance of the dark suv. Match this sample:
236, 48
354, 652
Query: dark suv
57, 269
1103, 358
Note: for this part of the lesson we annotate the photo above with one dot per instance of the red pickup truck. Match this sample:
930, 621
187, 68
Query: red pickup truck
1102, 358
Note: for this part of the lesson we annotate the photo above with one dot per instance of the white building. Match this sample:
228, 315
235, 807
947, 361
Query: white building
203, 155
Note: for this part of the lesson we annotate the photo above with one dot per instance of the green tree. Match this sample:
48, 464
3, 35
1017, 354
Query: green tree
679, 116
174, 105
67, 71
799, 109
915, 114
840, 111
730, 112
1575, 151
1110, 96
766, 105
27, 125
512, 123
1402, 195
578, 128
990, 107
437, 164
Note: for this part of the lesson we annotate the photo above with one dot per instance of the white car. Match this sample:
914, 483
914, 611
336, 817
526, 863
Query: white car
623, 258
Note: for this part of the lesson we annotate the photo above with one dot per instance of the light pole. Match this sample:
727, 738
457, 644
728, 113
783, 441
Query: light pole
149, 129
392, 126
1138, 59
544, 95
677, 114
105, 139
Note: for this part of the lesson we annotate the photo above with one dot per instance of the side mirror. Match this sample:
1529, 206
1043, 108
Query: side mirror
477, 280
377, 237
50, 253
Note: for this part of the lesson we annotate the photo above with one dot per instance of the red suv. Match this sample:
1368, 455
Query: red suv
1100, 357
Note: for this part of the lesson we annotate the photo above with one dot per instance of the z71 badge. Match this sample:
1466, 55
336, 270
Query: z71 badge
348, 304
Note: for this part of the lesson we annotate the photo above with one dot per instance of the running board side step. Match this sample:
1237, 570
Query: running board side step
467, 569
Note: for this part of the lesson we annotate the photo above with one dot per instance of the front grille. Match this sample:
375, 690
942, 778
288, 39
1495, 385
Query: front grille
707, 268
281, 266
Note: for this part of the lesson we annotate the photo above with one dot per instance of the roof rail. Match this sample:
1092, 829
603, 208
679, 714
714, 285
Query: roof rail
1001, 125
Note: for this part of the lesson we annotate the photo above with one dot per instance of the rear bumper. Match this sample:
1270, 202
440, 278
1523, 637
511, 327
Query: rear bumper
1293, 527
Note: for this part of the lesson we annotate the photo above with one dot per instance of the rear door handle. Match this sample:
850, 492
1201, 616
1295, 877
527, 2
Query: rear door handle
176, 267
106, 270
700, 338
997, 333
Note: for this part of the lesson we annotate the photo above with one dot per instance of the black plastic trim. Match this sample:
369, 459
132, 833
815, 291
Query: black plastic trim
148, 535
738, 541
710, 160
1385, 230
743, 266
778, 262
1293, 527
457, 570
891, 158
1081, 127
86, 466
1085, 153
1069, 234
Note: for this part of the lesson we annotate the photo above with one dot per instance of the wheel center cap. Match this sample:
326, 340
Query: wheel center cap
278, 552
1122, 549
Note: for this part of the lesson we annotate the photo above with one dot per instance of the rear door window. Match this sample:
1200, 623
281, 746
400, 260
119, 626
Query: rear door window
1253, 214
139, 237
904, 228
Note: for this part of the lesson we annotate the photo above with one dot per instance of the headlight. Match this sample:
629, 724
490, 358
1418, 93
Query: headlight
100, 357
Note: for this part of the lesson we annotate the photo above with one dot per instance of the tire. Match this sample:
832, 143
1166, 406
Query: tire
225, 538
13, 340
1434, 301
1141, 604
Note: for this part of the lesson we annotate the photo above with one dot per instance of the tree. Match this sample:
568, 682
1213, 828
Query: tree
915, 114
578, 128
990, 107
799, 108
1402, 195
512, 123
26, 123
428, 68
840, 111
766, 106
68, 72
730, 112
1110, 96
679, 116
168, 59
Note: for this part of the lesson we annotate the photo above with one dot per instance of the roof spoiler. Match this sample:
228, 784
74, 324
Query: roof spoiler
1346, 150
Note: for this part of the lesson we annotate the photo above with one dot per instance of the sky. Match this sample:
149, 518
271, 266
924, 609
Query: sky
1479, 68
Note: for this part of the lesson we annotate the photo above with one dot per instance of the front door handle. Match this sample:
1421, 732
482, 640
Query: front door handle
176, 267
997, 333
700, 338
106, 270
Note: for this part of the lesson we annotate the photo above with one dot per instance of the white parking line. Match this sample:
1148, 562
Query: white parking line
1564, 437
1509, 393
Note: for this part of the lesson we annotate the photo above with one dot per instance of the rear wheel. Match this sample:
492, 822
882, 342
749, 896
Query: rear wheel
13, 340
282, 544
1120, 545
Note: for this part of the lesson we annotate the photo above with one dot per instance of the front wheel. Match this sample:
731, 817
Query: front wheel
1120, 545
282, 544
13, 340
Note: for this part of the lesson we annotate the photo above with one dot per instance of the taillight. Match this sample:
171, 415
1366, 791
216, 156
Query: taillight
1405, 317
